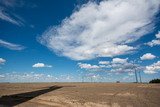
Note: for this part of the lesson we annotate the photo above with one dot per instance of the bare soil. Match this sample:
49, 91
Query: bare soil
79, 95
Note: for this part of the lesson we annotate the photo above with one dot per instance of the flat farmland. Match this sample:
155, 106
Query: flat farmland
79, 95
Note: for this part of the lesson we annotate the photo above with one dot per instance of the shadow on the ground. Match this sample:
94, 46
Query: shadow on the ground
15, 99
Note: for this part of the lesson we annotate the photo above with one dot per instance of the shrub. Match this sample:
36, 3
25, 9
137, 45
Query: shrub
155, 81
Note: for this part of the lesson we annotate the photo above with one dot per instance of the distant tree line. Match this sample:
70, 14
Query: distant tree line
155, 81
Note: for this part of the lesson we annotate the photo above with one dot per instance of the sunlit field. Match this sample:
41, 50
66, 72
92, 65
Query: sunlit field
79, 53
80, 94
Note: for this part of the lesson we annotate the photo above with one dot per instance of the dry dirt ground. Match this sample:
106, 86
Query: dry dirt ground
79, 95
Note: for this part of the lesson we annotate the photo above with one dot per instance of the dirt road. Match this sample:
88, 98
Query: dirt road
79, 95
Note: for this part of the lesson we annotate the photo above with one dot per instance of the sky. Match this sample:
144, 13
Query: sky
79, 40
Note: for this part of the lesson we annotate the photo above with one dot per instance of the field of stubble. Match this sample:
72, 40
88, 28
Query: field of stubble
79, 95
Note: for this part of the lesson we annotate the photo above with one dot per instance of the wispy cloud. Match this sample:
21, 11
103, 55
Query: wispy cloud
6, 17
105, 31
41, 65
11, 46
12, 3
9, 16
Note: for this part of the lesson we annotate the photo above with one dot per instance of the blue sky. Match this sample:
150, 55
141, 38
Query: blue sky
71, 41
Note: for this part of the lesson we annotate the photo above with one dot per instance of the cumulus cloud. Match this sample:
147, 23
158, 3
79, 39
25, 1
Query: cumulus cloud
117, 65
104, 62
41, 65
126, 68
2, 61
155, 41
147, 56
158, 35
87, 66
131, 74
102, 30
37, 77
119, 60
26, 77
153, 68
2, 76
11, 46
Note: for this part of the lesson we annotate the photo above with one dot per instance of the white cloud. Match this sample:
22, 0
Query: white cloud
126, 68
119, 60
11, 46
2, 76
8, 16
155, 41
2, 61
158, 35
117, 65
149, 71
87, 66
41, 65
147, 56
131, 74
9, 3
26, 77
153, 68
102, 30
104, 62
